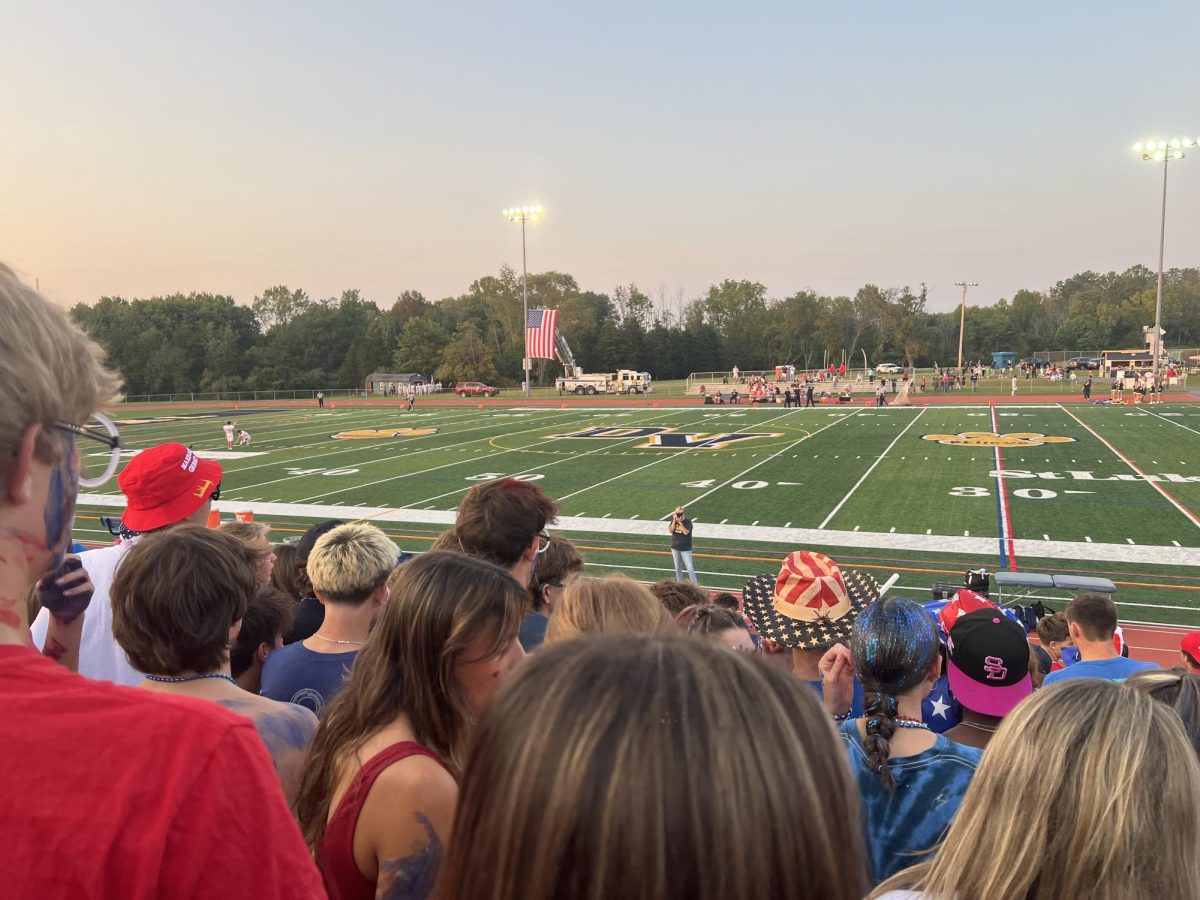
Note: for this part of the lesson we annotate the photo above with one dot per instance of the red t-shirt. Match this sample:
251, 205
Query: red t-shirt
114, 792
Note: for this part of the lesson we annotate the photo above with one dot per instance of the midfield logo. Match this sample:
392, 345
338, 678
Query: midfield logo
992, 439
368, 433
658, 436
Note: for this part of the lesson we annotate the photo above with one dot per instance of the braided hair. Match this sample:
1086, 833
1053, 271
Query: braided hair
895, 644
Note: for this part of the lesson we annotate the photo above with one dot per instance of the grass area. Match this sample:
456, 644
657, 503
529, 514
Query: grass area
898, 489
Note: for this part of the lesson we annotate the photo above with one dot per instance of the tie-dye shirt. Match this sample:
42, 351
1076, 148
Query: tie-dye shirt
902, 828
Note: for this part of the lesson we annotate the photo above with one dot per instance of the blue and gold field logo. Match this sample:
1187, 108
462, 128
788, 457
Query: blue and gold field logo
361, 434
660, 437
992, 439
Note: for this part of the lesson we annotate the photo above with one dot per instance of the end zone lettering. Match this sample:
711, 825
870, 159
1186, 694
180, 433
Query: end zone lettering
1072, 475
659, 436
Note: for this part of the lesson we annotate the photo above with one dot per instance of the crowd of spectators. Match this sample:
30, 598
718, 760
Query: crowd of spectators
196, 712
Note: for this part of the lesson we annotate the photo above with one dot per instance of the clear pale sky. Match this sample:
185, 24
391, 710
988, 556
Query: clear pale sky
147, 147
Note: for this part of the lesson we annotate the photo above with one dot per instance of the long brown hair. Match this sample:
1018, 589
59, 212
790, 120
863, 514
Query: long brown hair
1088, 789
654, 768
1179, 690
440, 603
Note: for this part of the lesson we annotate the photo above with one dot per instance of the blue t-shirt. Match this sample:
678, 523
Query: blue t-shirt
856, 701
904, 827
1116, 669
295, 674
533, 631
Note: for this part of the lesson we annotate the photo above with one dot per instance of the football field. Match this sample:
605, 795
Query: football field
923, 491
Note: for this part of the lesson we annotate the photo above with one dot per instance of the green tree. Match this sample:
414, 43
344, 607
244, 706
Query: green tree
467, 357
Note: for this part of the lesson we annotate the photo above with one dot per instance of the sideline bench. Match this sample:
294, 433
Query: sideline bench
1023, 584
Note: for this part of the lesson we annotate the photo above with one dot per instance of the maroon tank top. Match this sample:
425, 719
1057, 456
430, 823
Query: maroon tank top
343, 879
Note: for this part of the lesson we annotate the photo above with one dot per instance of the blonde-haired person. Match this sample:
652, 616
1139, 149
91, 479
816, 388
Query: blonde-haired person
121, 793
256, 536
614, 604
654, 768
378, 794
1087, 790
349, 567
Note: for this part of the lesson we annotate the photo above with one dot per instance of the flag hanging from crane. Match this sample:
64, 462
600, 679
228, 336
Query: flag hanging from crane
539, 333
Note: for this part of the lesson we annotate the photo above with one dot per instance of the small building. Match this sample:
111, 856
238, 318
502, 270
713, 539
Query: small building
392, 383
1003, 359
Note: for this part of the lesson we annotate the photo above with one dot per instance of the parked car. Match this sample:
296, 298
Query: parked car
1034, 361
889, 369
475, 389
1084, 362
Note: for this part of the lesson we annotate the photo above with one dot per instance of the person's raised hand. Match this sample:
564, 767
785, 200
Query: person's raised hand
67, 591
837, 679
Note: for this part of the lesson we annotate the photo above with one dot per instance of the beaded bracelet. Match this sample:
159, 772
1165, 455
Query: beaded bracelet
846, 716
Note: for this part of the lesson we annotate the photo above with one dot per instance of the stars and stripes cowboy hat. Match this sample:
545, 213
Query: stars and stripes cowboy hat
811, 603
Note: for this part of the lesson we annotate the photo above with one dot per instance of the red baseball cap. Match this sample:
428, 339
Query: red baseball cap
164, 485
1191, 645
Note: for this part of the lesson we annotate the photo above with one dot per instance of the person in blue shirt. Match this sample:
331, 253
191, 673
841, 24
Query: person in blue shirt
1092, 621
349, 568
911, 780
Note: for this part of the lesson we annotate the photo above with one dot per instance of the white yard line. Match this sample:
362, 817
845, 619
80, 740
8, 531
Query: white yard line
1191, 516
871, 468
667, 456
459, 462
1171, 420
744, 472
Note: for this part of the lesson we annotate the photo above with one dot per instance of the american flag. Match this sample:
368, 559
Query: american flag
539, 333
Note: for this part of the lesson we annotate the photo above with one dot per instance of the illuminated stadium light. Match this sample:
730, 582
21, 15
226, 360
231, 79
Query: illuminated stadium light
1159, 150
524, 214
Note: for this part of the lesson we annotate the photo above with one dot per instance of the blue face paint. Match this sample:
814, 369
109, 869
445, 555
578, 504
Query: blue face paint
59, 513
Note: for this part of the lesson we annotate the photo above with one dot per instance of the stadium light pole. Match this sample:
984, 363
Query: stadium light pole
1163, 151
524, 214
962, 317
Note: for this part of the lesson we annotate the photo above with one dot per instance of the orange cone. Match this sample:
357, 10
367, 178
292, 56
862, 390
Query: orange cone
214, 517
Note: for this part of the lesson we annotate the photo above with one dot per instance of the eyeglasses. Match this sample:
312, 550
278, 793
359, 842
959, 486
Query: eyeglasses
543, 543
96, 467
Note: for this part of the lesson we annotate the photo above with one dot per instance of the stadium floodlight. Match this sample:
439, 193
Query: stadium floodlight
524, 215
1158, 150
962, 318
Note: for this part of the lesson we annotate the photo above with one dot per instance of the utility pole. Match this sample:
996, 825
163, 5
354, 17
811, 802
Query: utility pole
962, 317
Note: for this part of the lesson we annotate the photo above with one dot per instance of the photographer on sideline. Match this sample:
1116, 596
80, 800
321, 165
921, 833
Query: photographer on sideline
680, 529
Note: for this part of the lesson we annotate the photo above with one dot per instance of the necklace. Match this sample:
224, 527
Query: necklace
910, 722
991, 729
178, 679
332, 641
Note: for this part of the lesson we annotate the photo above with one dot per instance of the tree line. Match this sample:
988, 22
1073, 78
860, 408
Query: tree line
286, 340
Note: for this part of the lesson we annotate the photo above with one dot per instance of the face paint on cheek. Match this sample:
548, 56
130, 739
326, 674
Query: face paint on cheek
59, 514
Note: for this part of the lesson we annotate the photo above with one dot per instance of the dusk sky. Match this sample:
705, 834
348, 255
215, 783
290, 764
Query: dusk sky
149, 148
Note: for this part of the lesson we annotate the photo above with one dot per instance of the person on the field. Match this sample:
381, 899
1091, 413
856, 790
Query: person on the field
1087, 388
229, 430
243, 438
680, 529
1015, 382
410, 397
320, 399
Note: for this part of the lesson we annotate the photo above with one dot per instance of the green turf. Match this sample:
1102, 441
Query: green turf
848, 472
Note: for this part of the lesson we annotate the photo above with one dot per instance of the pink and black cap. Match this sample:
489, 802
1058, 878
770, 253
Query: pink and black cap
989, 662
